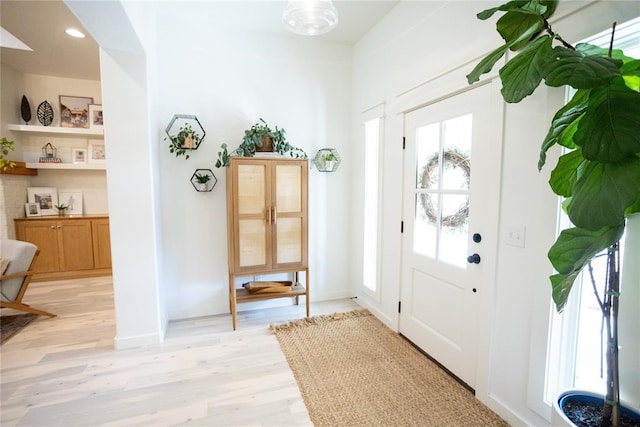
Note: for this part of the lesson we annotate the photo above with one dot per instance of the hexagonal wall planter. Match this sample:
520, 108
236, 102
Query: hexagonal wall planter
185, 133
203, 180
327, 160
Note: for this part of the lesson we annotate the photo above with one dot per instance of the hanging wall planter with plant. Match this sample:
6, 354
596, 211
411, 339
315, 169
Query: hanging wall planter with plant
203, 180
260, 138
184, 133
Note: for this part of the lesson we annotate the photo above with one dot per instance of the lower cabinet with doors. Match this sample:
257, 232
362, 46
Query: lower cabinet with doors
70, 246
267, 214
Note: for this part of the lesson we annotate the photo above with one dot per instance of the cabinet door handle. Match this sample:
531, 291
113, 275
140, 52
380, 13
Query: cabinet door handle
275, 215
53, 226
269, 216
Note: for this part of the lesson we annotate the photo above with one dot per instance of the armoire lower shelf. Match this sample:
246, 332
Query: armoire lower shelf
240, 295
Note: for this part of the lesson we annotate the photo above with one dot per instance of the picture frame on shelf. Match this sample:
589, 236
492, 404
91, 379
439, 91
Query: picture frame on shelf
96, 120
32, 209
72, 199
74, 111
45, 197
79, 156
97, 152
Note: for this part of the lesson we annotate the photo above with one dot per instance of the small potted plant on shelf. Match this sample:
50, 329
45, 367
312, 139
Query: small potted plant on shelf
62, 209
260, 138
329, 160
202, 179
5, 147
186, 139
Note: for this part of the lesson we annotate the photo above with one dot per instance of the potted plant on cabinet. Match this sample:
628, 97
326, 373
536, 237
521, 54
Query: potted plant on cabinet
260, 138
62, 209
599, 176
5, 147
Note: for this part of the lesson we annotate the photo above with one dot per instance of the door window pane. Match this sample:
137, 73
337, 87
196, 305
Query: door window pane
443, 177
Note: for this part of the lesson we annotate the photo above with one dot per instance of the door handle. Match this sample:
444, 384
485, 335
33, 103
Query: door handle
473, 259
275, 215
269, 216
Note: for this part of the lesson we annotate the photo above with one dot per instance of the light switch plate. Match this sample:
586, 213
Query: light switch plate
516, 236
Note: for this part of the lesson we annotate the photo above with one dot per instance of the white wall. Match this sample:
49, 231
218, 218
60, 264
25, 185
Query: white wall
229, 79
419, 52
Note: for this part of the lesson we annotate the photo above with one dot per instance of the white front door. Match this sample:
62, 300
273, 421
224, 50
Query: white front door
450, 208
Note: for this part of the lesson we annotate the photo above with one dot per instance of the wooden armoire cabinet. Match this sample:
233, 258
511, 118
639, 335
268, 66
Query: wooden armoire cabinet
267, 214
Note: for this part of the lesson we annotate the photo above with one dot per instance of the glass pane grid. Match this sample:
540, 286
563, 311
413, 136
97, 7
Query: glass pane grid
443, 176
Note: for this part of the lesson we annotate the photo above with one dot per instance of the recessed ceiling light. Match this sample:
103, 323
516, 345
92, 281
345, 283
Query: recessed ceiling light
74, 33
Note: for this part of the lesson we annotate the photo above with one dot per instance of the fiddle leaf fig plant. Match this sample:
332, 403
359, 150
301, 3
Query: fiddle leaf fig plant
254, 139
599, 176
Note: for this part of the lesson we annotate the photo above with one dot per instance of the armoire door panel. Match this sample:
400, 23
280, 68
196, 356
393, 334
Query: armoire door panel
288, 188
252, 243
289, 241
252, 189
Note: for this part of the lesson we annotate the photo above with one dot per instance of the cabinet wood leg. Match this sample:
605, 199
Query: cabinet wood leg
232, 300
307, 291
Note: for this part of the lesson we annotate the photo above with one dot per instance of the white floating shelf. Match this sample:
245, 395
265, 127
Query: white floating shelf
56, 130
65, 166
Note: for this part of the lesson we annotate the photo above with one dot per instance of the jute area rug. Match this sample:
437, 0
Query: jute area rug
354, 371
11, 325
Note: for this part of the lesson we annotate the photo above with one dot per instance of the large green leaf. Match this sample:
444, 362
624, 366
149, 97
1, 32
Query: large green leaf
566, 173
489, 61
575, 247
590, 49
631, 74
610, 128
518, 26
573, 68
488, 13
523, 74
551, 7
561, 285
603, 192
486, 64
567, 116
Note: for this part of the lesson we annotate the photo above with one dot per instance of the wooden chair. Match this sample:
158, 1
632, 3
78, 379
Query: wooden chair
15, 280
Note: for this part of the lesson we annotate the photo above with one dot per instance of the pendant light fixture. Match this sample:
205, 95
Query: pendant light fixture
310, 17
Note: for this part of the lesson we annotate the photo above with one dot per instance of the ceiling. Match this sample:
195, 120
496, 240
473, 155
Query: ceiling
41, 25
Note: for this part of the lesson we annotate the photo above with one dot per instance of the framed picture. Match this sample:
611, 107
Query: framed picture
95, 117
79, 155
97, 152
45, 197
73, 200
32, 209
74, 111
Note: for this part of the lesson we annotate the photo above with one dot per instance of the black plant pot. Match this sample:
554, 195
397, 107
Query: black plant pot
570, 403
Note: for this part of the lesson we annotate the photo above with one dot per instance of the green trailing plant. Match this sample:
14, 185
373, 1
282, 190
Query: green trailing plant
5, 147
599, 176
254, 139
186, 139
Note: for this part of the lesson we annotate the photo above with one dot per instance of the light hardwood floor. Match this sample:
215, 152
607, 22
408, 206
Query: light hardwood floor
65, 372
